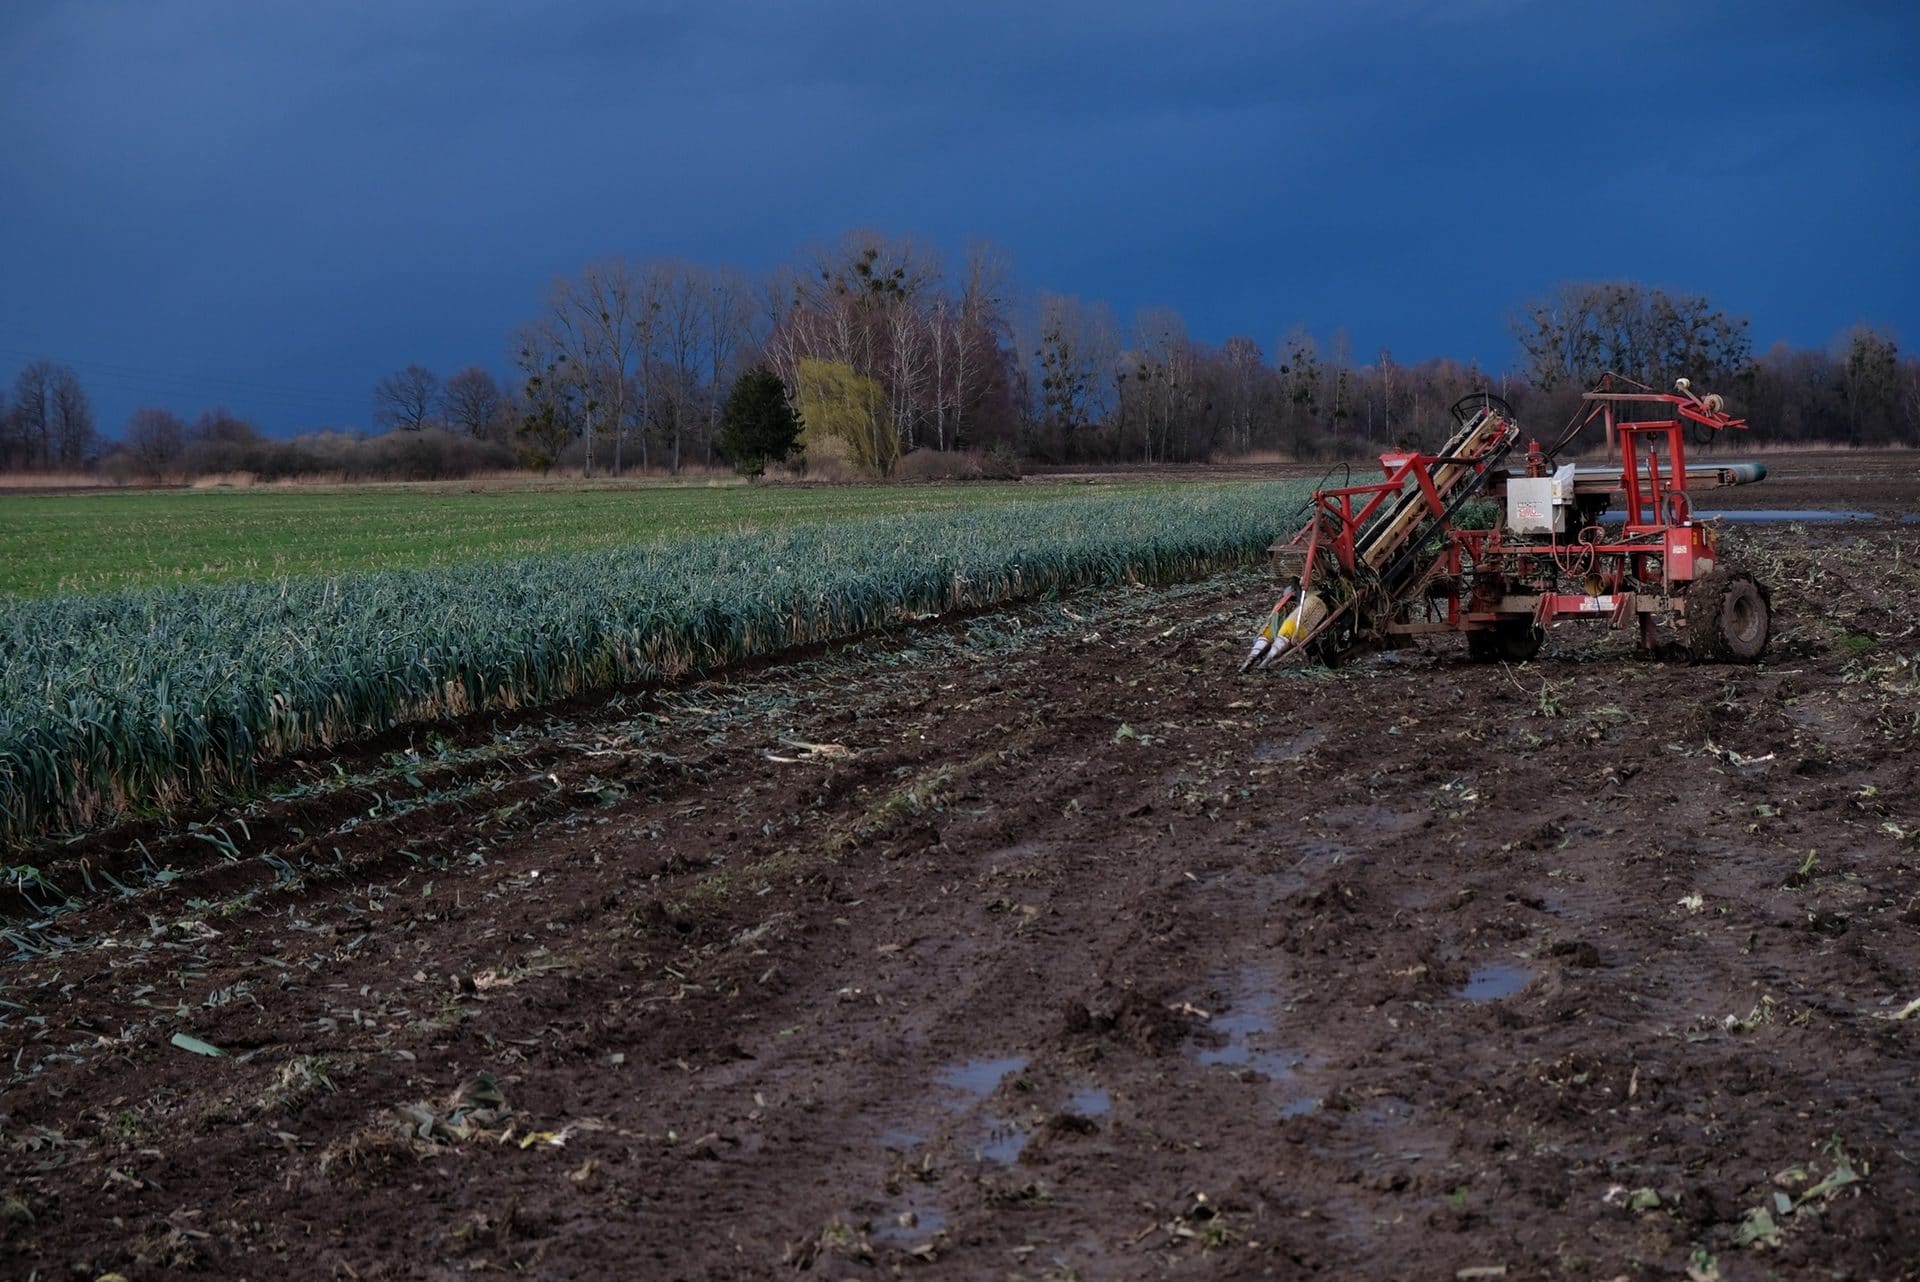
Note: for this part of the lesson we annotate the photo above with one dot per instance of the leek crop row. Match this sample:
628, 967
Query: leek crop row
148, 697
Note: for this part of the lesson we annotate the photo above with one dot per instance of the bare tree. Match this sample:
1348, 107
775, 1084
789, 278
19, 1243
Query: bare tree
604, 320
1583, 329
52, 416
72, 421
943, 369
845, 309
222, 426
728, 321
1298, 364
1390, 388
1340, 360
474, 402
961, 335
550, 404
157, 441
33, 411
1870, 381
951, 358
680, 306
1075, 348
1909, 399
779, 306
222, 441
906, 370
1241, 357
406, 400
979, 325
1162, 370
12, 445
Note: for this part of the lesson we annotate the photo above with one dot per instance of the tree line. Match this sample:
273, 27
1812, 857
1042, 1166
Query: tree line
882, 349
47, 424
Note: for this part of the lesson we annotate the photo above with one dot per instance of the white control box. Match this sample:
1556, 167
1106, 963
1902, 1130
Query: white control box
1530, 506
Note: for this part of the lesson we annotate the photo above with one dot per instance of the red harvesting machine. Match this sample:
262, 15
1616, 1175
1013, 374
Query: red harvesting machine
1380, 562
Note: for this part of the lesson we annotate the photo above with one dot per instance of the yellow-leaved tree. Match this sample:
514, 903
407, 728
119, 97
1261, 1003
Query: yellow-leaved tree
843, 416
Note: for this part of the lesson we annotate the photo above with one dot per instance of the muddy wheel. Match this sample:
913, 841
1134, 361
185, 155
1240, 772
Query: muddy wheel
1519, 640
1728, 618
1509, 641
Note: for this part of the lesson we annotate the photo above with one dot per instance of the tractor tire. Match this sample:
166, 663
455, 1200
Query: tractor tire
1519, 641
1728, 618
1511, 641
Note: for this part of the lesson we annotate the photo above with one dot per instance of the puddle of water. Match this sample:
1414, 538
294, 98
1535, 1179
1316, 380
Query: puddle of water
1259, 890
1491, 983
977, 1078
1290, 749
1091, 1101
1250, 1046
1769, 516
901, 1141
1004, 1143
1329, 851
1247, 1028
1373, 820
910, 1224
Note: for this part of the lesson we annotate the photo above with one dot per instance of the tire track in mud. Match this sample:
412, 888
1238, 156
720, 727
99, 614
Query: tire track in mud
1085, 956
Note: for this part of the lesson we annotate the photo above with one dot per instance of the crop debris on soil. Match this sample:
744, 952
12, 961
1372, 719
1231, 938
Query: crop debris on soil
1027, 943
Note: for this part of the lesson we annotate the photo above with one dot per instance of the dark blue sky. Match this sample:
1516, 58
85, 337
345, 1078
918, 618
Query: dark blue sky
273, 205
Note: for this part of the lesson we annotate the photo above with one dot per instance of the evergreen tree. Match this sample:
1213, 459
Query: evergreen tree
757, 426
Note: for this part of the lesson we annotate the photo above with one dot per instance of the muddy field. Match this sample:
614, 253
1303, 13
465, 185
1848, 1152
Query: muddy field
1036, 945
1884, 484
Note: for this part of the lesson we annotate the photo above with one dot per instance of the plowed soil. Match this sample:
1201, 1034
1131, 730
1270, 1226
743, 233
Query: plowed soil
1037, 945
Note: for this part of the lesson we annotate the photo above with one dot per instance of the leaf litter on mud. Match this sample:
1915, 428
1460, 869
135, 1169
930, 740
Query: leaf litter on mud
198, 1047
1721, 895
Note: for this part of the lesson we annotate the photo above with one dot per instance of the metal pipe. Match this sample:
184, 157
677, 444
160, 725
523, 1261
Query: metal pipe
1741, 473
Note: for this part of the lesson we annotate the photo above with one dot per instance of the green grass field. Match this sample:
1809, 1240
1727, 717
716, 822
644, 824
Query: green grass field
52, 544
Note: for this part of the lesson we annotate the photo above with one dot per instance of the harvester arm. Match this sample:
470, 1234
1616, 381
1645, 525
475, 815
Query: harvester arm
1477, 443
1454, 475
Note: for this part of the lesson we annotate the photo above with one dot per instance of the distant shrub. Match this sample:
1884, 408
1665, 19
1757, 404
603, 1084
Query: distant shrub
831, 459
1002, 463
431, 454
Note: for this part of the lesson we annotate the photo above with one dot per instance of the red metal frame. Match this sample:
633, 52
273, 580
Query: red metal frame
1348, 523
1658, 527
